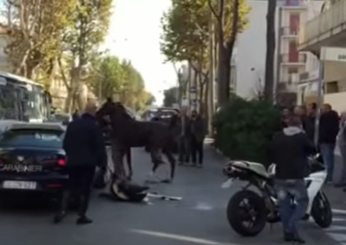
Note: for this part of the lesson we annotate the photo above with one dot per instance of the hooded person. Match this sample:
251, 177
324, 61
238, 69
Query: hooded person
289, 150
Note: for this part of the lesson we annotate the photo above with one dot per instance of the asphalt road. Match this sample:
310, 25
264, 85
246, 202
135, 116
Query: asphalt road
197, 219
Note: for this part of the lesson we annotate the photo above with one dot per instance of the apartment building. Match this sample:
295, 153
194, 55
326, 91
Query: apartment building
328, 29
289, 61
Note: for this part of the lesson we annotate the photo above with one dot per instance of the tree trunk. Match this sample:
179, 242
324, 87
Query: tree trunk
269, 68
222, 76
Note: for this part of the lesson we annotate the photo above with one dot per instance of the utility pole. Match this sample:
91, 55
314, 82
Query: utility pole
211, 74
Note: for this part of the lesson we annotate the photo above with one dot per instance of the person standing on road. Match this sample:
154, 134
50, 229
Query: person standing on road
285, 115
328, 130
85, 149
184, 137
311, 120
289, 150
198, 132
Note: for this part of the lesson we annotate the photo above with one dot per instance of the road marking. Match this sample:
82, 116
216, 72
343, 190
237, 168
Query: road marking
339, 211
203, 206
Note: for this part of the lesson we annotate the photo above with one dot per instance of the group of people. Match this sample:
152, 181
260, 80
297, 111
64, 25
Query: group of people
290, 149
190, 131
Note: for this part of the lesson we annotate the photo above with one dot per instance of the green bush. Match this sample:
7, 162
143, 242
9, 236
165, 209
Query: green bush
243, 129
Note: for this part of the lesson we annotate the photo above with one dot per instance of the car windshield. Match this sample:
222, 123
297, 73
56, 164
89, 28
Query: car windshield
8, 102
32, 138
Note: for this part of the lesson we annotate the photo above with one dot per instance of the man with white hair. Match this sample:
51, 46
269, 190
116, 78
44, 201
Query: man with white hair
85, 149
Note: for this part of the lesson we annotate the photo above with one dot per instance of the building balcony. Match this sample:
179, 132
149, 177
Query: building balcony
287, 86
289, 31
293, 59
292, 4
326, 29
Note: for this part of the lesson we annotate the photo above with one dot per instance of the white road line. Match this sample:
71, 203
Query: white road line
339, 211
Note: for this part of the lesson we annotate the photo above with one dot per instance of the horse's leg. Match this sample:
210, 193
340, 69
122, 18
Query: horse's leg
156, 160
129, 163
117, 157
172, 162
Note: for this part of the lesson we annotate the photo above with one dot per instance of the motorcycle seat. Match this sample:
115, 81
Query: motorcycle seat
254, 167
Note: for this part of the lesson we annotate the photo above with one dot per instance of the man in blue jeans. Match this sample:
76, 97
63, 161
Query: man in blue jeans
289, 150
328, 130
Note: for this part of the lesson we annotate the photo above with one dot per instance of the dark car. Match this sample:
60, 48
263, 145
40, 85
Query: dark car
31, 158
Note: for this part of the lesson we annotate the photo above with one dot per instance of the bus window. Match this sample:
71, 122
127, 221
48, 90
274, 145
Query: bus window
8, 102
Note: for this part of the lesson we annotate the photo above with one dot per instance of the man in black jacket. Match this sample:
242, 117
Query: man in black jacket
85, 149
328, 130
289, 150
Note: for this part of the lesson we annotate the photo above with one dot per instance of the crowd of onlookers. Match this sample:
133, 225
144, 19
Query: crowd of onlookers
190, 132
301, 136
330, 134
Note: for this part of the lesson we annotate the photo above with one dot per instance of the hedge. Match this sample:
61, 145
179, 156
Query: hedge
243, 129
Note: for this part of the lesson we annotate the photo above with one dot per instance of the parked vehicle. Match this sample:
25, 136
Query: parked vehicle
23, 99
249, 211
31, 159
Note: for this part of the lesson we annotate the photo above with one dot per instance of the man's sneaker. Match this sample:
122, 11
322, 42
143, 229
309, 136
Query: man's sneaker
84, 221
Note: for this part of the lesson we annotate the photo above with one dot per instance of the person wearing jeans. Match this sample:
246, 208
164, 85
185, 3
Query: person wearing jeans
328, 130
289, 150
288, 190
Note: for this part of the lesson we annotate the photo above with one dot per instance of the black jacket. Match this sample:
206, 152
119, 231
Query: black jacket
84, 144
309, 127
329, 127
289, 150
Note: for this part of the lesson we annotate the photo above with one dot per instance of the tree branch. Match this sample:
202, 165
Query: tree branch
212, 9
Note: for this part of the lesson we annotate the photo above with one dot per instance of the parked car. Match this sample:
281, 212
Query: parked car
31, 159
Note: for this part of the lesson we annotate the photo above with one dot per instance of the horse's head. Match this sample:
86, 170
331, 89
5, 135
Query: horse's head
112, 111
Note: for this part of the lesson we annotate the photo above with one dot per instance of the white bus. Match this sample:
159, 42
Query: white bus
23, 99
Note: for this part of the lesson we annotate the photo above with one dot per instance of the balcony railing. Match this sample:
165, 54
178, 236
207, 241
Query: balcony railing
293, 58
325, 22
292, 3
289, 31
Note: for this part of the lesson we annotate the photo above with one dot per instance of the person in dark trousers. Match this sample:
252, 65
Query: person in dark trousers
311, 121
328, 130
284, 116
183, 126
85, 149
289, 150
198, 132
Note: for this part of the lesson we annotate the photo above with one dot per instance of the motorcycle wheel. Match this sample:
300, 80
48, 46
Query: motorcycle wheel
321, 211
247, 213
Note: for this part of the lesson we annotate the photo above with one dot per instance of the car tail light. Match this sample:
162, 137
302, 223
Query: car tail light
62, 162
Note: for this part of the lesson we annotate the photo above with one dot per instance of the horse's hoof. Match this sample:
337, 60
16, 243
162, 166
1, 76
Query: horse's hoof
167, 181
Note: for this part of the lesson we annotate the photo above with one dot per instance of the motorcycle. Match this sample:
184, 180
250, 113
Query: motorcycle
249, 211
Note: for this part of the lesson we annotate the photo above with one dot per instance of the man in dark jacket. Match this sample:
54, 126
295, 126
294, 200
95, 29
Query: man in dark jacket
85, 149
289, 150
328, 130
183, 126
198, 132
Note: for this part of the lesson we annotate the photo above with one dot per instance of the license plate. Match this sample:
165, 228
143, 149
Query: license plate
19, 185
227, 184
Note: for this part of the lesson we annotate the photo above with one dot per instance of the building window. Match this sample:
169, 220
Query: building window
292, 70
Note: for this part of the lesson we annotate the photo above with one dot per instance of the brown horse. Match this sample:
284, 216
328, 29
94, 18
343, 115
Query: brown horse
127, 132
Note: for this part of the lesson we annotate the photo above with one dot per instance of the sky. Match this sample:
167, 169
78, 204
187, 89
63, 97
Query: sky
134, 34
